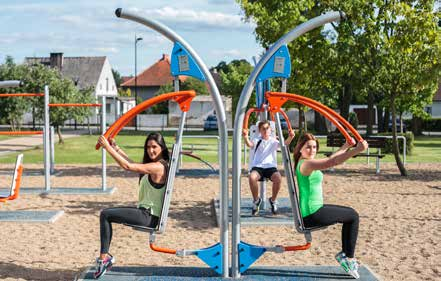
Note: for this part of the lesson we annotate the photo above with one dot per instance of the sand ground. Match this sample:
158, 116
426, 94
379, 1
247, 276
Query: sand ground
399, 236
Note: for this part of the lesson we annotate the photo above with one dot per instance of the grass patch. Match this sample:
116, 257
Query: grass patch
81, 150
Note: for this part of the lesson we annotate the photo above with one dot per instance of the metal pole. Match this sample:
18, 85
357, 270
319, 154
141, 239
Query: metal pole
10, 84
136, 78
46, 148
221, 121
239, 118
136, 86
103, 153
52, 145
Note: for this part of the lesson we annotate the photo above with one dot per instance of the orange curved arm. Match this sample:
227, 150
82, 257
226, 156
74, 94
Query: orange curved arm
278, 99
162, 250
248, 114
22, 95
74, 104
18, 133
297, 248
286, 119
183, 98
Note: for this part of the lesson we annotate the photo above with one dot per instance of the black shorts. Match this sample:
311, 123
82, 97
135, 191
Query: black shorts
265, 172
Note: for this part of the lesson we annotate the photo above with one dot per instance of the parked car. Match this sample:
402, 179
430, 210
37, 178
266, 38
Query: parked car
283, 123
398, 126
210, 123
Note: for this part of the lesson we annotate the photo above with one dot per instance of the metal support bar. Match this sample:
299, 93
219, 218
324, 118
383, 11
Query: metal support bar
103, 152
46, 146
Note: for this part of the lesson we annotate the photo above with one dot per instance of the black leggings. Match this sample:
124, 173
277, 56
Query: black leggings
129, 215
331, 214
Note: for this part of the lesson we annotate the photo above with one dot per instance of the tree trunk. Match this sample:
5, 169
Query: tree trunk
416, 126
370, 114
345, 101
395, 149
386, 119
380, 120
300, 117
60, 137
319, 123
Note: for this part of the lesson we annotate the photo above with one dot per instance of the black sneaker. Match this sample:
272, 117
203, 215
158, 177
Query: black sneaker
103, 265
274, 207
256, 207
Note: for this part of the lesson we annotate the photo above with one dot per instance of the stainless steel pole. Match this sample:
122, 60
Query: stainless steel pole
103, 153
46, 148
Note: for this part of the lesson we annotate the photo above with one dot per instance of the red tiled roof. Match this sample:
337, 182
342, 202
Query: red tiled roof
156, 75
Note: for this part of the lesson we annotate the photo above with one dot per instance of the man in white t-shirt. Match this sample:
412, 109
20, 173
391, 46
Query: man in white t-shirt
264, 164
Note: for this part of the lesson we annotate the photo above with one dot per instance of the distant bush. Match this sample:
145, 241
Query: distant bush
409, 143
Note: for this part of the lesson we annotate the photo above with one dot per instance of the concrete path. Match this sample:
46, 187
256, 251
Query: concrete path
29, 142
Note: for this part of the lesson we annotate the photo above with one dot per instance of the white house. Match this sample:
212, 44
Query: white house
86, 72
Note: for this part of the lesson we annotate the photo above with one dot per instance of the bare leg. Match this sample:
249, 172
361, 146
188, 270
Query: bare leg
254, 186
276, 178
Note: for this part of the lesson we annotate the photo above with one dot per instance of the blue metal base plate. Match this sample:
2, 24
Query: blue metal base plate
301, 273
30, 216
265, 217
69, 190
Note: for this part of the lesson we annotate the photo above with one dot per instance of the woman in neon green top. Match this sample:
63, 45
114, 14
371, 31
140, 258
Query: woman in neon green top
314, 212
152, 180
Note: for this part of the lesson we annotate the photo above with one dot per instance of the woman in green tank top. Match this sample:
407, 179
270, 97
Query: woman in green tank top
152, 180
314, 212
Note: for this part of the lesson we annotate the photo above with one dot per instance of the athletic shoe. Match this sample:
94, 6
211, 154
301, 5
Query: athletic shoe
256, 207
349, 266
103, 265
353, 268
274, 207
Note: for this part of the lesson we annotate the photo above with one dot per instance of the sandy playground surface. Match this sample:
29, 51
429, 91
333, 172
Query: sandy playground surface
399, 237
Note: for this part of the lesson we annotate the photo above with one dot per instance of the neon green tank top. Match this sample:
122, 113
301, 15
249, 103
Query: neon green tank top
310, 189
151, 197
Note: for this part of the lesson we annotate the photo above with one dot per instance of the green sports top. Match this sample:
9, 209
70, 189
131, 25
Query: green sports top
151, 195
310, 187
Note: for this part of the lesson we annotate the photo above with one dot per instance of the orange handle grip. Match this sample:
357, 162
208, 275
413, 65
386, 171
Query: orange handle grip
162, 250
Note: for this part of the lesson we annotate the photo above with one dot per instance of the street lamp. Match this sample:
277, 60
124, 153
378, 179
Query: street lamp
137, 39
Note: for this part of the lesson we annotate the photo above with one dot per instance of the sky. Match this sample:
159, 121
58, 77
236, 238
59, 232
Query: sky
214, 28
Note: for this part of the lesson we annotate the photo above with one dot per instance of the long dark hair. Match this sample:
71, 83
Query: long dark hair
300, 143
159, 139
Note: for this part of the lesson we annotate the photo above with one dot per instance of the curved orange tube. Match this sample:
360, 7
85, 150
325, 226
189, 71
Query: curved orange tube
248, 114
74, 104
22, 95
183, 98
10, 133
162, 250
297, 248
278, 99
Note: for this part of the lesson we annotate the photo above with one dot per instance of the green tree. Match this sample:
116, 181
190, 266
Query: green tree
12, 109
233, 79
386, 50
